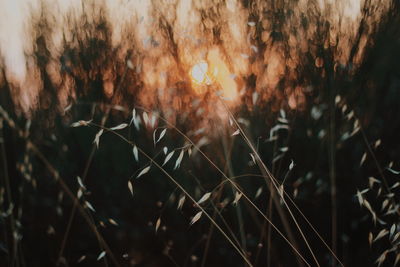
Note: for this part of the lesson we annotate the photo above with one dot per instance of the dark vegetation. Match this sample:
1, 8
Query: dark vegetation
342, 134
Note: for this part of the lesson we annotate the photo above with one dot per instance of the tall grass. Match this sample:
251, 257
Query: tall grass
207, 198
298, 175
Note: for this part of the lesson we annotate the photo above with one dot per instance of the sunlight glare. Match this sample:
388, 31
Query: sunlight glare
199, 73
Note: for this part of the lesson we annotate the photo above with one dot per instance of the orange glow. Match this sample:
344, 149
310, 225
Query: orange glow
225, 79
220, 62
214, 72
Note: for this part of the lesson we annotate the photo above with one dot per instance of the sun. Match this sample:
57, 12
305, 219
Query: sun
214, 72
200, 75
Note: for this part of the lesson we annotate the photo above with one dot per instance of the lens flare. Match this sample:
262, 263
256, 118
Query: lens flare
216, 73
199, 74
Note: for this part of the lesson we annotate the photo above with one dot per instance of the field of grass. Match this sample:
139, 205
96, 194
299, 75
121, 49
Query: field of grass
245, 151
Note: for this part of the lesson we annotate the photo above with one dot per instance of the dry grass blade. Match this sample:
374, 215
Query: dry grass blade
119, 127
393, 171
81, 185
89, 206
101, 255
81, 258
363, 158
258, 193
160, 137
236, 132
113, 222
237, 197
81, 123
130, 186
133, 116
381, 234
168, 157
196, 217
97, 137
381, 258
181, 202
179, 159
158, 223
135, 153
144, 171
204, 198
